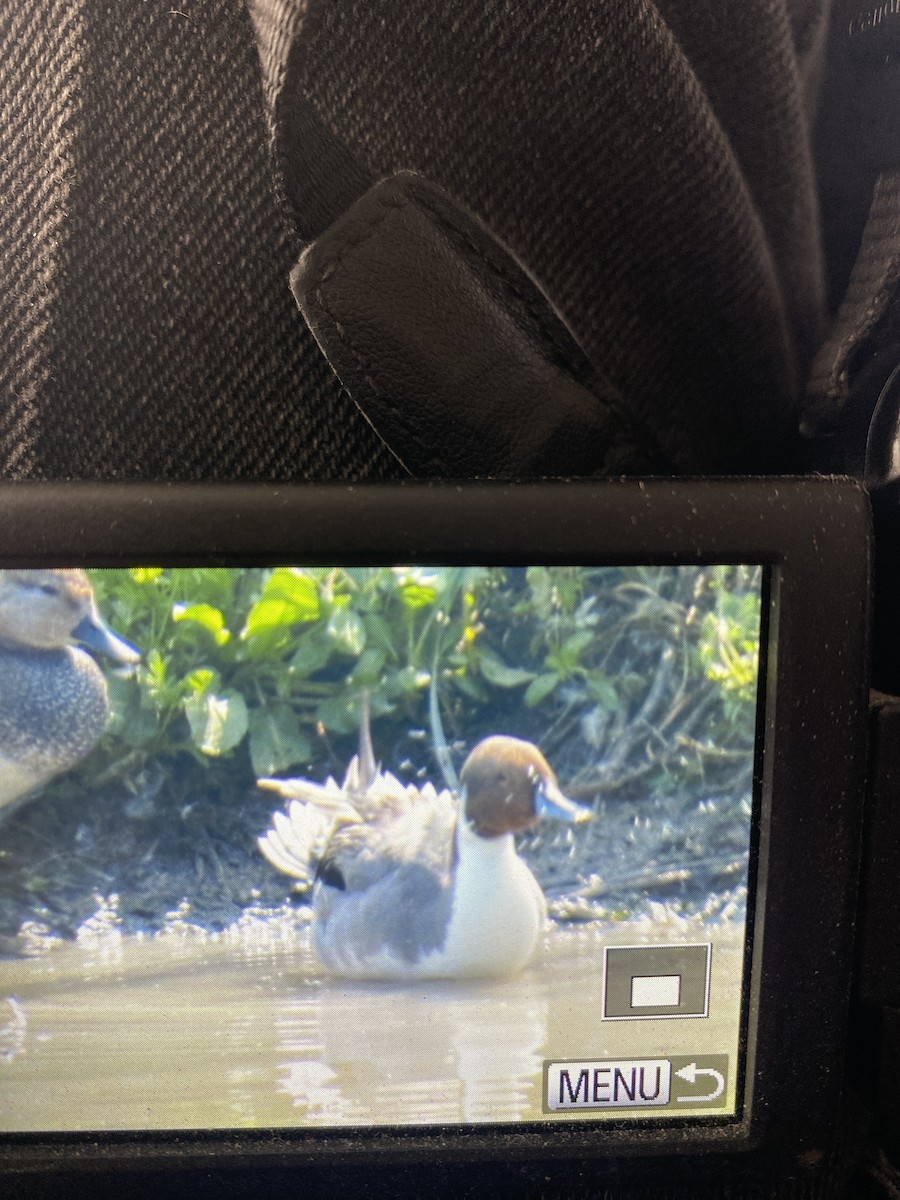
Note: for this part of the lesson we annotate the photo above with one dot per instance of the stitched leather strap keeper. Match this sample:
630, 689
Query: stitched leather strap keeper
450, 349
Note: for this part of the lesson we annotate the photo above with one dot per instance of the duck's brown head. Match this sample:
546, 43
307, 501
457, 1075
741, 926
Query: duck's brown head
508, 786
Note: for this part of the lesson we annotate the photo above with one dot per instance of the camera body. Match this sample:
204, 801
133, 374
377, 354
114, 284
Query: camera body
637, 1084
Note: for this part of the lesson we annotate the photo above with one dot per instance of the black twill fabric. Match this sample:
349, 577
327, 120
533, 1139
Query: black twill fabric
40, 49
649, 163
148, 330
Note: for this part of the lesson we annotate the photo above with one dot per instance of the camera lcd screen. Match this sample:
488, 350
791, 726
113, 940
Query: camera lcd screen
323, 847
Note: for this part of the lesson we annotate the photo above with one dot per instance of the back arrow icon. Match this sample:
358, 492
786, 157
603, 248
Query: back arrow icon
689, 1075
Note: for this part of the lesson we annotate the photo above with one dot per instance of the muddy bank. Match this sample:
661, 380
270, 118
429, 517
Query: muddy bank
60, 856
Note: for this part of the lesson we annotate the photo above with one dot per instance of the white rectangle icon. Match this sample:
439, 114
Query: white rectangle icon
653, 991
631, 1083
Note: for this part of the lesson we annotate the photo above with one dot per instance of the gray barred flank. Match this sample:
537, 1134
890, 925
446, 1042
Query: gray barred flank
412, 925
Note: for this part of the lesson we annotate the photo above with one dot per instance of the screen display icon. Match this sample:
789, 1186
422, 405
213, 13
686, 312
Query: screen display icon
697, 1080
652, 982
655, 991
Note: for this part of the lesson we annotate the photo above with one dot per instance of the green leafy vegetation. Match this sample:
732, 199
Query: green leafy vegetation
624, 675
268, 665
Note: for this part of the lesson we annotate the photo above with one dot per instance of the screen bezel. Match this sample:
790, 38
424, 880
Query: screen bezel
812, 535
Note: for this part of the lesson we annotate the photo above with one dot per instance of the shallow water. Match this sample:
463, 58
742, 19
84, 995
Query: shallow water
191, 1030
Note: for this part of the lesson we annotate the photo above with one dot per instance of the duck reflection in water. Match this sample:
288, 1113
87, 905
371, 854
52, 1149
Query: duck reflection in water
416, 883
53, 698
379, 1054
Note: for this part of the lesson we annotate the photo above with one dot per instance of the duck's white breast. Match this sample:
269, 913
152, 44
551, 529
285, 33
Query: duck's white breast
498, 909
486, 922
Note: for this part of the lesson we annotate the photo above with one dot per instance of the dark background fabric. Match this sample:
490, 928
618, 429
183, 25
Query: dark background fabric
649, 163
148, 330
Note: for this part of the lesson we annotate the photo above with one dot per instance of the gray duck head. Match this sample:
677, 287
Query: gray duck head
48, 609
53, 696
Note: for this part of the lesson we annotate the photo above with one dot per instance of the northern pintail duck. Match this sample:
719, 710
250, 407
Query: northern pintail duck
53, 698
411, 883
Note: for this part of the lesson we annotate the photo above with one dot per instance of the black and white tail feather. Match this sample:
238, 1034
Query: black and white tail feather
362, 816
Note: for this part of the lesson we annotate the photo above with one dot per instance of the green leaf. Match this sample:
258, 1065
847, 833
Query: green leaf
217, 723
370, 667
290, 597
497, 672
145, 574
271, 615
212, 619
417, 595
540, 688
578, 642
378, 630
337, 715
602, 690
312, 653
201, 681
346, 628
469, 687
277, 741
400, 683
135, 723
540, 582
297, 587
135, 714
156, 669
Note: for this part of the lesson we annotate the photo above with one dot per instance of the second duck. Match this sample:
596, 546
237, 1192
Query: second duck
53, 698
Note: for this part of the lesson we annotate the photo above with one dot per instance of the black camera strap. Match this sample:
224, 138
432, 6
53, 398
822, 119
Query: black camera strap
450, 349
612, 151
